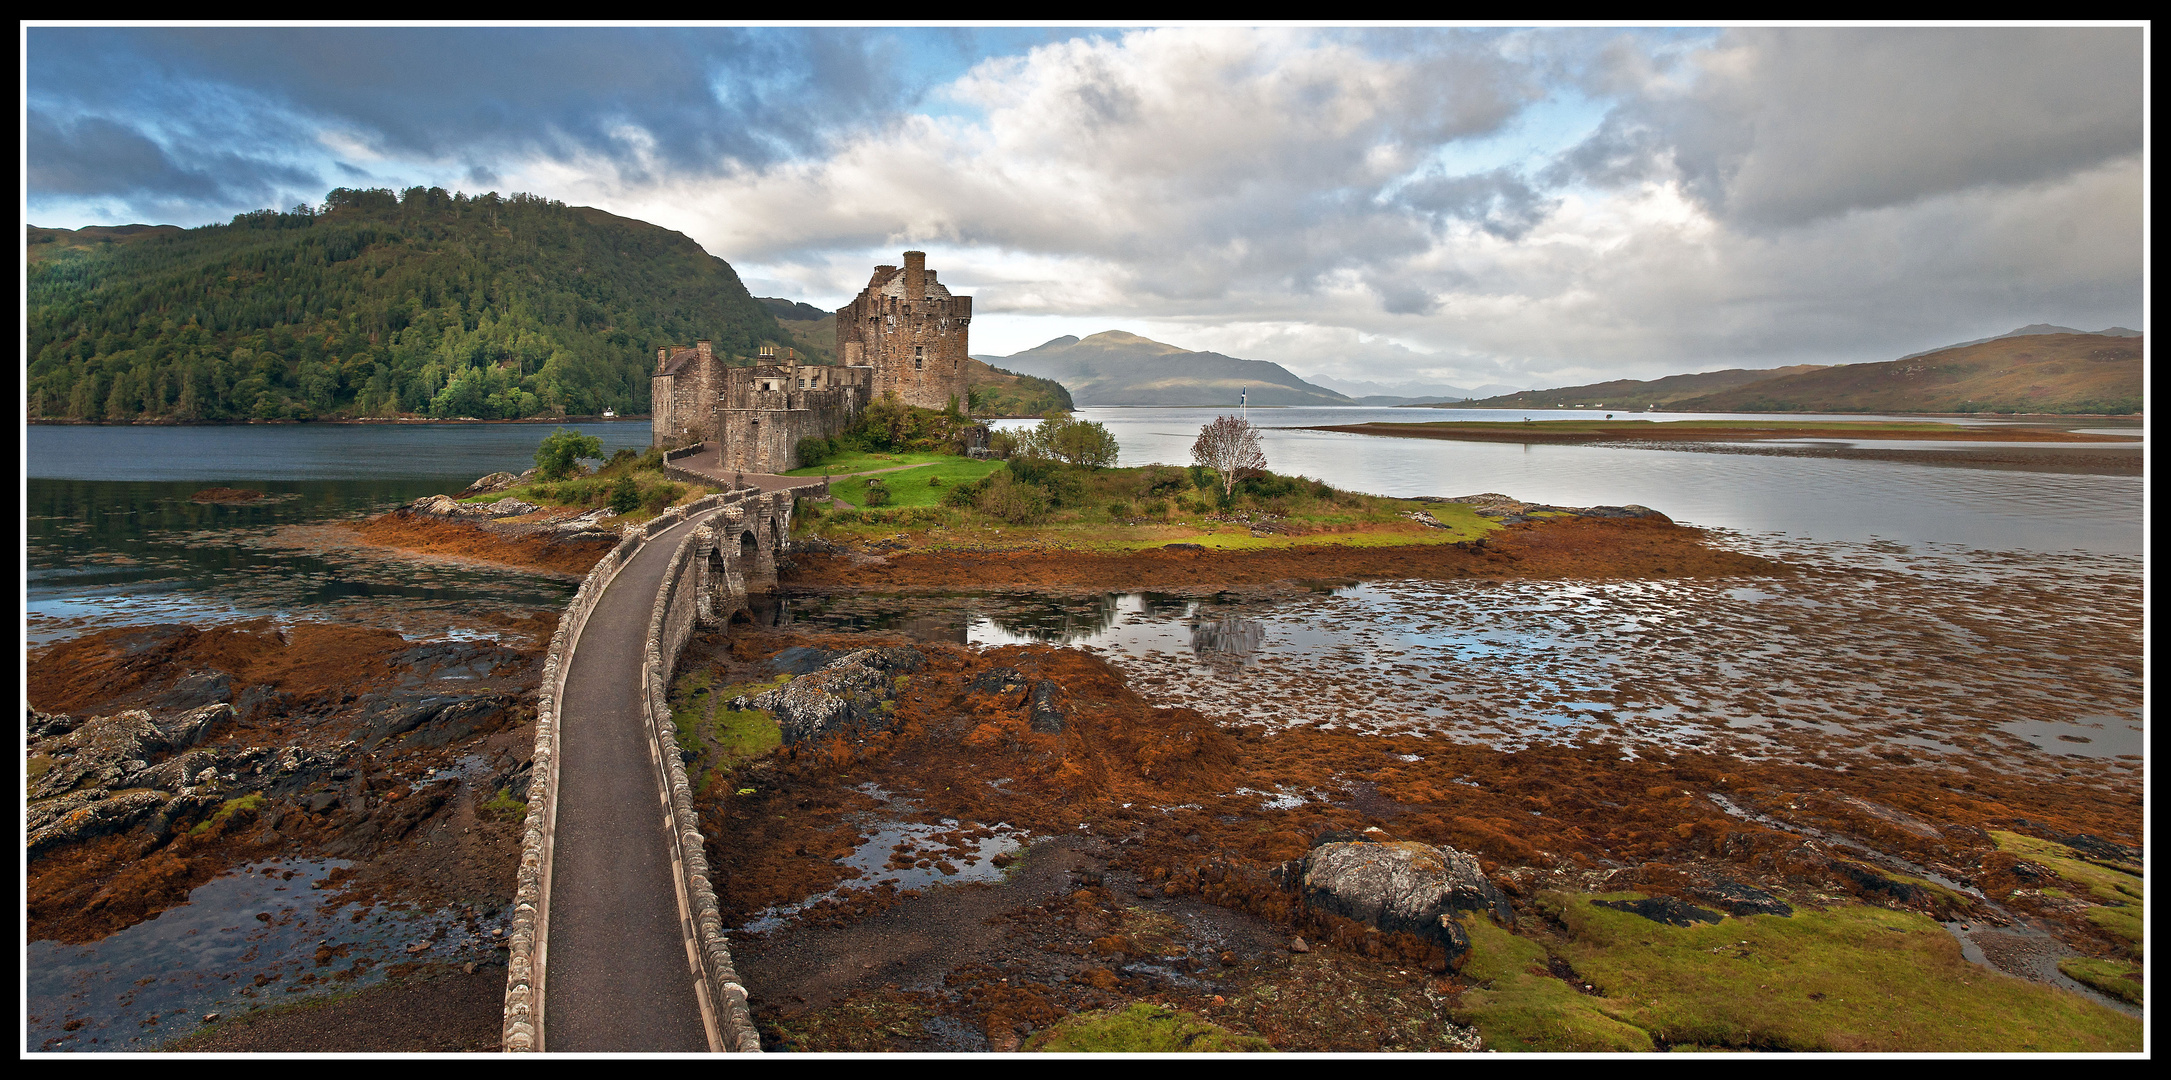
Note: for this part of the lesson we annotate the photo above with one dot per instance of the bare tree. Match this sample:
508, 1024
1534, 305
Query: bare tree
1230, 447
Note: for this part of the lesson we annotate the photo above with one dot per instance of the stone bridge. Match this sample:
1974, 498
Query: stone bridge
617, 944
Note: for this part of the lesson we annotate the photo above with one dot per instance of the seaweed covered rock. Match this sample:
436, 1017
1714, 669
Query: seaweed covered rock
853, 694
1399, 887
104, 751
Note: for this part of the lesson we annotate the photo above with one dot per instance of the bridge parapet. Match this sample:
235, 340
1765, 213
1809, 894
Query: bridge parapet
708, 580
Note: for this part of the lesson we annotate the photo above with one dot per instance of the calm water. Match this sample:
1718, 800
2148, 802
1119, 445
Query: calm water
113, 537
1811, 498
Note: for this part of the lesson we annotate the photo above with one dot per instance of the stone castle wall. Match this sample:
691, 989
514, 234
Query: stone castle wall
764, 411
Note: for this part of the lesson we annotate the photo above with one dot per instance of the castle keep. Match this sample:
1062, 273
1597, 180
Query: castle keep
908, 327
904, 333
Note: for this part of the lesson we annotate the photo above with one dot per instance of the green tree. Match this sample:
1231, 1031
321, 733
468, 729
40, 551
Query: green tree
562, 450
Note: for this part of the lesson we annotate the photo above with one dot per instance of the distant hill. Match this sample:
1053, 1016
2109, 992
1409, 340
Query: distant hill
43, 243
1630, 394
815, 337
2030, 330
420, 302
792, 310
2031, 373
1006, 393
1405, 393
1116, 368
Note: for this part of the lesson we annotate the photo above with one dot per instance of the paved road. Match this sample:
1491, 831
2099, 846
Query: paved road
619, 977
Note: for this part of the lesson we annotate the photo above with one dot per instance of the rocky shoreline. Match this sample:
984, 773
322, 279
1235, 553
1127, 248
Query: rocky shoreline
1126, 853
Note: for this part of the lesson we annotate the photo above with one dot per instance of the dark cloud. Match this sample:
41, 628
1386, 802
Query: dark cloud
1500, 202
92, 156
1782, 127
683, 100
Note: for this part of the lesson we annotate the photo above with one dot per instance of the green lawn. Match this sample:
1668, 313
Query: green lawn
911, 487
868, 461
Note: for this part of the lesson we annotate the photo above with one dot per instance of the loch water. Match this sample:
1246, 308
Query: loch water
113, 536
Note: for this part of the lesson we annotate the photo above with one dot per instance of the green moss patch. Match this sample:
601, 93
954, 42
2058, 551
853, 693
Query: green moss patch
2106, 884
503, 807
1847, 979
1142, 1028
2116, 888
2114, 977
227, 809
1518, 1005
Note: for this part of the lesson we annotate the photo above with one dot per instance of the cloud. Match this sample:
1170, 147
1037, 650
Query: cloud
1775, 128
94, 156
1393, 204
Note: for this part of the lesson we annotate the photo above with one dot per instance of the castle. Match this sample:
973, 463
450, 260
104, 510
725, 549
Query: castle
903, 334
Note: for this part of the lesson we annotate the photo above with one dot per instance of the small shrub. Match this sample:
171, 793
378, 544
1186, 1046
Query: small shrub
503, 807
1010, 501
878, 493
561, 450
661, 495
625, 495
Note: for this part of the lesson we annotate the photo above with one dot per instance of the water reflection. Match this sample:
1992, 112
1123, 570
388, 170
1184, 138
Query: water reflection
1229, 640
1851, 657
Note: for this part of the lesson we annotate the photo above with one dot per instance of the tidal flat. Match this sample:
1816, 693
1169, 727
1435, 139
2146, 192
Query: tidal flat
1794, 732
1897, 742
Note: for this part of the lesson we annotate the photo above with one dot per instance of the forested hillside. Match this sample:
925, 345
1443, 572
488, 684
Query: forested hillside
375, 304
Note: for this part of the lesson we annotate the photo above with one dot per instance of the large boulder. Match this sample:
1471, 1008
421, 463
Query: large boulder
104, 750
853, 694
98, 818
1401, 887
497, 481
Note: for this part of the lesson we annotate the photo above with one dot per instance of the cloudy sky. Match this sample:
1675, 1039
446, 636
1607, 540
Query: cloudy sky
1464, 206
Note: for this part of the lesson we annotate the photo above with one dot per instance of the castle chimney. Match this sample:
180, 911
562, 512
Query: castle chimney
704, 347
915, 275
662, 355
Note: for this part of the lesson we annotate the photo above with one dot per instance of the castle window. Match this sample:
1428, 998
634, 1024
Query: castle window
919, 357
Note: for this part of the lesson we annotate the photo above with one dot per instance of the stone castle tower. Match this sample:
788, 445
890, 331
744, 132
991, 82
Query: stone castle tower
911, 331
904, 333
682, 394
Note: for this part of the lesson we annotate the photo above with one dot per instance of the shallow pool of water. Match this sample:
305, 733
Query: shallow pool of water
246, 939
1949, 658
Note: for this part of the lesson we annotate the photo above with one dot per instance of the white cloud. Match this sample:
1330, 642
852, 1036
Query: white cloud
1754, 199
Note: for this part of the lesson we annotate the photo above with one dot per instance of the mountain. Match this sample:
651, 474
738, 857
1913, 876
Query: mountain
2030, 330
2029, 373
377, 303
1405, 393
1116, 368
1628, 394
815, 337
46, 242
997, 392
